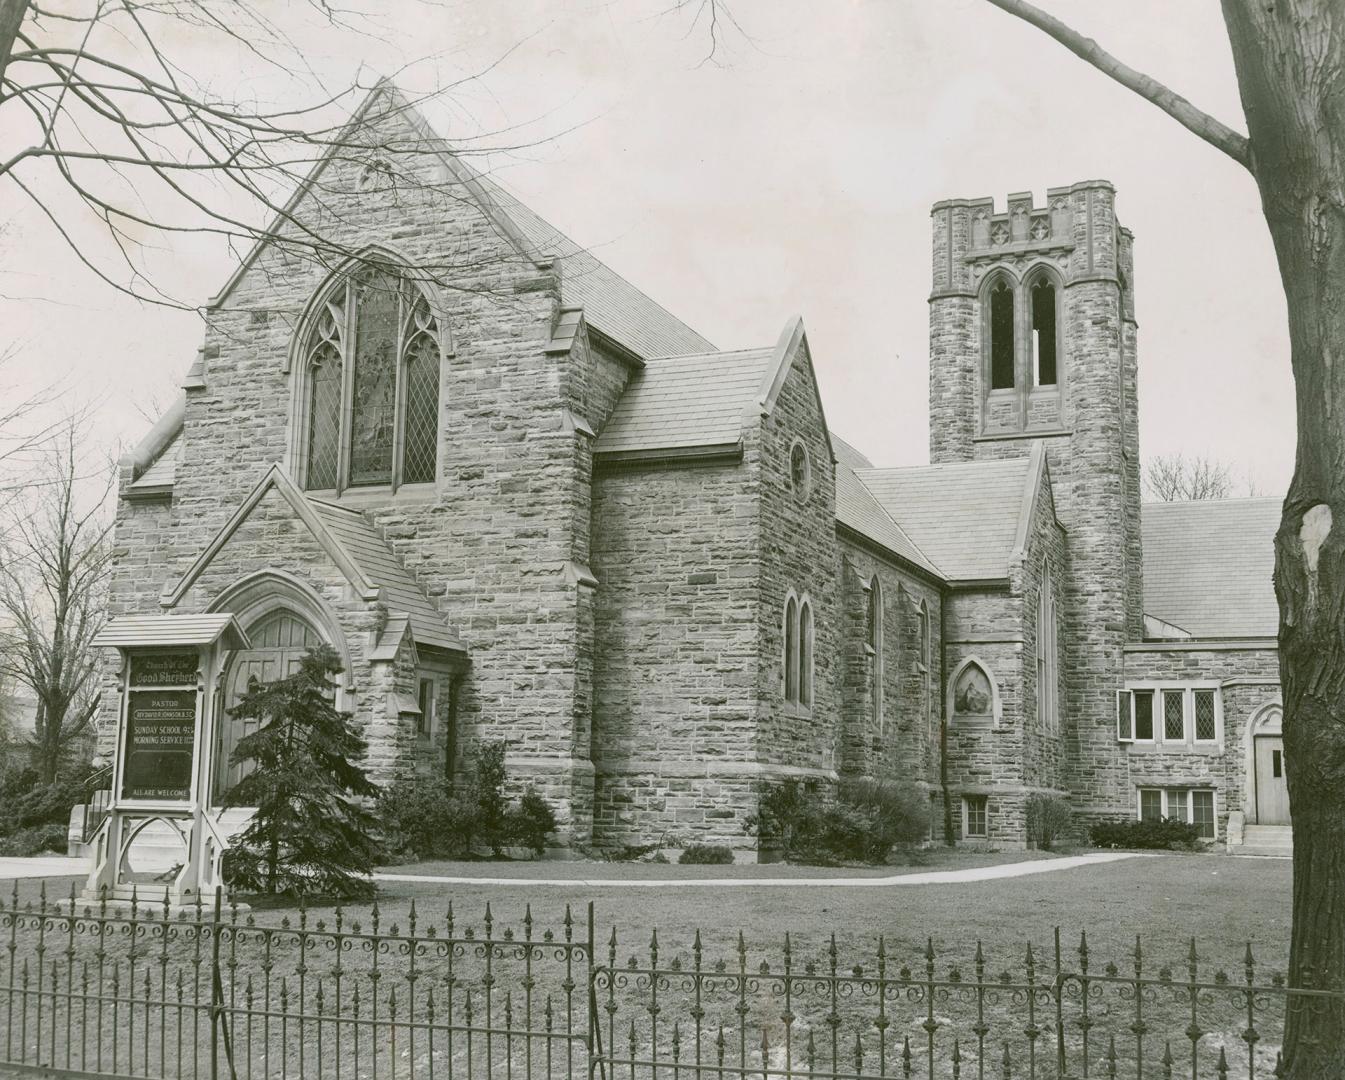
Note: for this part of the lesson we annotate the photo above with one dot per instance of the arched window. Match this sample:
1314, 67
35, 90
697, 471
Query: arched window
1044, 339
806, 654
372, 364
1048, 705
1001, 336
791, 650
926, 663
875, 643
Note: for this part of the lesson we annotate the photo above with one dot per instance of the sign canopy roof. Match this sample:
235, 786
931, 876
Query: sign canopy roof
168, 631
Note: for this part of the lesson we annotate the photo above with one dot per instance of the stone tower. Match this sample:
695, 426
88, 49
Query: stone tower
1032, 337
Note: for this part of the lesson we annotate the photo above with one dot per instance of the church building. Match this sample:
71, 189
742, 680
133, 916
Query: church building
524, 501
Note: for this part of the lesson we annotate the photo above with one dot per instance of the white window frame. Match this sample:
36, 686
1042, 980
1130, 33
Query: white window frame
1160, 688
1190, 792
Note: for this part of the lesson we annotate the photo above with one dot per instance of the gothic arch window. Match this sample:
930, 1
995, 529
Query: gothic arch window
875, 644
1001, 328
1045, 342
791, 650
926, 664
798, 652
1048, 659
370, 359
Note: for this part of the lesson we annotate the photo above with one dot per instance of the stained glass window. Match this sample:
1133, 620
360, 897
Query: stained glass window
422, 397
1174, 715
806, 654
376, 347
791, 651
373, 407
324, 404
1205, 730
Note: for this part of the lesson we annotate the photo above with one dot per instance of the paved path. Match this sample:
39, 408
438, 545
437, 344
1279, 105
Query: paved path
43, 866
933, 877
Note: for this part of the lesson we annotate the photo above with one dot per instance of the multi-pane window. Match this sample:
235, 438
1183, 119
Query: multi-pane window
1178, 715
975, 816
1194, 806
1174, 715
798, 652
372, 400
1205, 726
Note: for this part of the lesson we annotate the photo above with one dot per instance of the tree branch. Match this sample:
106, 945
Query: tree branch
1214, 132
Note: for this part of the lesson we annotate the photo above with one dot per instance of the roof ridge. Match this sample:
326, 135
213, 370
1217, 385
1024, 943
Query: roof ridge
1214, 502
709, 352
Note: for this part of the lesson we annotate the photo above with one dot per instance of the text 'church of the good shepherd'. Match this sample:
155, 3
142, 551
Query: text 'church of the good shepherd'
523, 501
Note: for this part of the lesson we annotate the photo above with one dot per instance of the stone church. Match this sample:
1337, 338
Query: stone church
524, 501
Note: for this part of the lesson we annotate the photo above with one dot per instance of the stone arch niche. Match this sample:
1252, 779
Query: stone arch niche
973, 696
284, 620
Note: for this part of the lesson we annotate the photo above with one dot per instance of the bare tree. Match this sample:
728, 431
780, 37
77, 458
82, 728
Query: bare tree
53, 576
1175, 477
107, 110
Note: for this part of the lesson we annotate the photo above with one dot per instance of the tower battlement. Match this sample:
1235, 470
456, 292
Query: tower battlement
1075, 231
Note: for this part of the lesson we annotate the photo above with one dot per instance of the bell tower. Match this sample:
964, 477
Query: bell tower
1033, 337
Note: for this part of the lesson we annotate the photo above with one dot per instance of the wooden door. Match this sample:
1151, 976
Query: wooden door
1272, 790
279, 642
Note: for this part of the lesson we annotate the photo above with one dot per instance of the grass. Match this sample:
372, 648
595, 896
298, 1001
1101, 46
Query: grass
1225, 902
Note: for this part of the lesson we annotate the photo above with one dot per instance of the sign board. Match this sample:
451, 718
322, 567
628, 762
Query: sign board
160, 727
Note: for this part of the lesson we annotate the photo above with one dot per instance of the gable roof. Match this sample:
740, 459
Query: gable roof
963, 516
1209, 566
684, 403
352, 543
857, 509
614, 306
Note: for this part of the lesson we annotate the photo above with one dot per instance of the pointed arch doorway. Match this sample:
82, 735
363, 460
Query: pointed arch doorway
279, 640
1269, 783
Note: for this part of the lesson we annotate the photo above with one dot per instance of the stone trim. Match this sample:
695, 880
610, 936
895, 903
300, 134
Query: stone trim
1208, 645
274, 478
156, 440
673, 457
709, 770
1053, 433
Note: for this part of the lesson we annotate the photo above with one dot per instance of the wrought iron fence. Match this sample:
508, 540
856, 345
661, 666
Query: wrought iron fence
108, 990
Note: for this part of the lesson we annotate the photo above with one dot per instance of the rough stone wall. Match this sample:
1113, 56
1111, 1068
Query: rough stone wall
1094, 463
799, 553
1044, 767
491, 539
896, 743
674, 715
1248, 680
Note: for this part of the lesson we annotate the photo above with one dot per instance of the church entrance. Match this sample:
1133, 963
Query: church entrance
1272, 790
279, 641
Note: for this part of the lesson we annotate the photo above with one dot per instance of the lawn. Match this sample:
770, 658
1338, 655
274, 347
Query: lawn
1225, 902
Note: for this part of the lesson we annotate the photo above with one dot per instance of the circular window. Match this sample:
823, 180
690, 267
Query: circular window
800, 471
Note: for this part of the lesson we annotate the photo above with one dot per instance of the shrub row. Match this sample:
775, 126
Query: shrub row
427, 817
863, 823
1145, 834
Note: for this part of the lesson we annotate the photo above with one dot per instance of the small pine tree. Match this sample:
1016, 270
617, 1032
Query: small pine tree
309, 834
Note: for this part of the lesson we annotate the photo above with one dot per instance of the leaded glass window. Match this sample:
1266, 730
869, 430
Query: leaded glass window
1205, 727
791, 651
1174, 715
373, 385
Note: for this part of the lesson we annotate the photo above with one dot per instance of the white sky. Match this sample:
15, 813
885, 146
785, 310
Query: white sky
794, 176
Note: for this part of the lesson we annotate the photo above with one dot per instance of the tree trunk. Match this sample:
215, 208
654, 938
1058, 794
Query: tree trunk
11, 16
1289, 62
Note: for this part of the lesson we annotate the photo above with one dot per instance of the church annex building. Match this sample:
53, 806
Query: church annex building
530, 503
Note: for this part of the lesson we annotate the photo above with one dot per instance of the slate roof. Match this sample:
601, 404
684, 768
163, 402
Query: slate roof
381, 565
1208, 566
848, 455
611, 303
963, 517
858, 509
683, 402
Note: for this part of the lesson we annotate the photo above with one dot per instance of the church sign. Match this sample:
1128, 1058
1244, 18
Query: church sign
160, 735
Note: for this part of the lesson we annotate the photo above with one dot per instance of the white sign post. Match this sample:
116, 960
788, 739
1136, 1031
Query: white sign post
164, 766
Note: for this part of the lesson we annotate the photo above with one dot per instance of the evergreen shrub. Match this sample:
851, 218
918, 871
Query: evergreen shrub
705, 855
1163, 834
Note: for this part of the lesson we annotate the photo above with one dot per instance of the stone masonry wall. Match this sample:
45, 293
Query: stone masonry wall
674, 716
1248, 681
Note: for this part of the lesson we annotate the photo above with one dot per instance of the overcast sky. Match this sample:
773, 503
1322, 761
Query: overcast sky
794, 175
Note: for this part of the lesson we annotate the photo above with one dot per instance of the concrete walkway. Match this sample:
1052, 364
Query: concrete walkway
43, 866
933, 877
